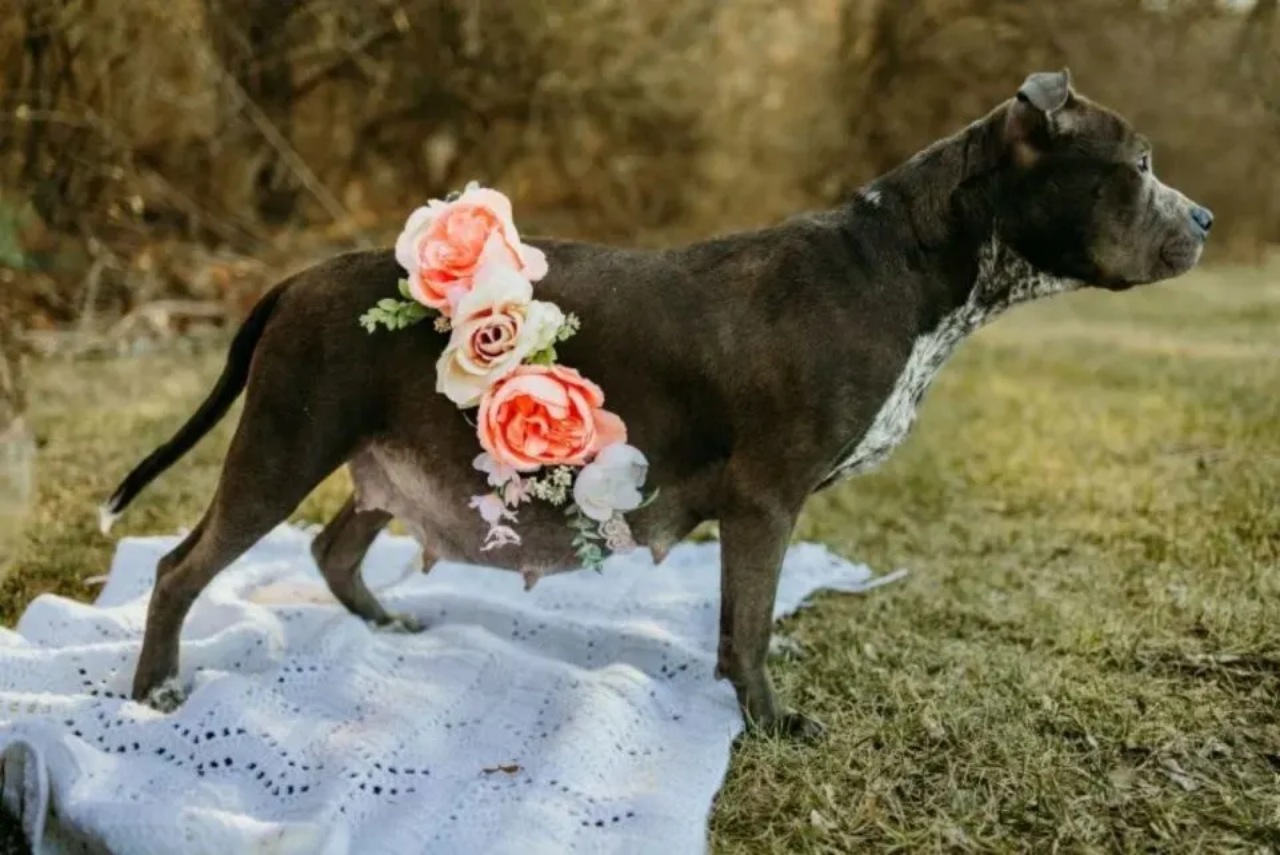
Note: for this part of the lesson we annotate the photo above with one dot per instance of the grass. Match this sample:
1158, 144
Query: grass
1086, 654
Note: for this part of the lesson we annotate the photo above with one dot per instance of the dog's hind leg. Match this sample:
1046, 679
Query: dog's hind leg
259, 487
340, 548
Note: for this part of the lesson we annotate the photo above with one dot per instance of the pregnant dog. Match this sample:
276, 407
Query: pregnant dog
752, 369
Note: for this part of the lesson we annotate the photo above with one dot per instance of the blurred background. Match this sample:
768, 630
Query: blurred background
191, 149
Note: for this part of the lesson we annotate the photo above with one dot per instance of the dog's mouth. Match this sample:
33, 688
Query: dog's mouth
1176, 256
1180, 254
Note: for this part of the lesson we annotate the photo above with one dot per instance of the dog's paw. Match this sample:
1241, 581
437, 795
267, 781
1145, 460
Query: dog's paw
794, 726
402, 624
167, 697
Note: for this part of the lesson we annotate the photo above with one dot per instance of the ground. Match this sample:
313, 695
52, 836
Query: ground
1085, 655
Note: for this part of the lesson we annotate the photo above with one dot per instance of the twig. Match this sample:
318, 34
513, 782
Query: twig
234, 231
92, 284
350, 57
293, 160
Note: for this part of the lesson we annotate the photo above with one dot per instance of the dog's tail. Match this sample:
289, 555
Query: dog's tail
234, 376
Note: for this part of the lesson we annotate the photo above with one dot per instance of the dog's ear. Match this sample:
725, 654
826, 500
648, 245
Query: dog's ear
1040, 110
1047, 91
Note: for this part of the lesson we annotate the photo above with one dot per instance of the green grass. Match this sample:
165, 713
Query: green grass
1086, 654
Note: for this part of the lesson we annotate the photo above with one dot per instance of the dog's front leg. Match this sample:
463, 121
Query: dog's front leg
753, 542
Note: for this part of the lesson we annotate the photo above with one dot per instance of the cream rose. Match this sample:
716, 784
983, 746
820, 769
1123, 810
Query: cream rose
495, 326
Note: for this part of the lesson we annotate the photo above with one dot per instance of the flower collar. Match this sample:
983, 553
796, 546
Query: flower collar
542, 426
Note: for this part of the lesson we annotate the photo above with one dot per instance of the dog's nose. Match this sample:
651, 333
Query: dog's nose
1202, 217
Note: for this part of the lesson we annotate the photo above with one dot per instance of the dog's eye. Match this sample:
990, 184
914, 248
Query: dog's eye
1144, 162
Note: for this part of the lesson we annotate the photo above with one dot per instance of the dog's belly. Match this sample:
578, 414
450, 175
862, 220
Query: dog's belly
434, 507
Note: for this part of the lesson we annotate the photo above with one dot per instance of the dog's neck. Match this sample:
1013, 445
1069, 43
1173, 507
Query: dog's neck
946, 194
945, 197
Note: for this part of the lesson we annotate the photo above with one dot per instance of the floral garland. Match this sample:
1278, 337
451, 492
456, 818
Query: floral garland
542, 426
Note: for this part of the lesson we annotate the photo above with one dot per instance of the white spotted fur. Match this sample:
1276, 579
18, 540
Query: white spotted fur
1004, 279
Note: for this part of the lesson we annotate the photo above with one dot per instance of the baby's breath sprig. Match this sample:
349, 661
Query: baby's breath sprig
569, 328
553, 487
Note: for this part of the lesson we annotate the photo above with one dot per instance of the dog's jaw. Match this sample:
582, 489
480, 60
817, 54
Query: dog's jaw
1004, 279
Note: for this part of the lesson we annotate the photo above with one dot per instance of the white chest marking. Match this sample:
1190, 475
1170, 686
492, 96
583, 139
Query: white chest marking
1004, 279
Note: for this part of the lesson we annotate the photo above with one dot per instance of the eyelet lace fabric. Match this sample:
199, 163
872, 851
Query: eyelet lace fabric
579, 717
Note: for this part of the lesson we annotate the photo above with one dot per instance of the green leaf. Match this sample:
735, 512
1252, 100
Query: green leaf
394, 314
546, 356
403, 285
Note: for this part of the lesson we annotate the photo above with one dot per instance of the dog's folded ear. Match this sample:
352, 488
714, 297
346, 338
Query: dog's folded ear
1047, 91
1038, 112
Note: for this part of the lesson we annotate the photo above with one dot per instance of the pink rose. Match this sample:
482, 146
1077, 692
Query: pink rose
545, 415
444, 243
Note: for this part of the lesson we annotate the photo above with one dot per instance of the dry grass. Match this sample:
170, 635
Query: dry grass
1086, 655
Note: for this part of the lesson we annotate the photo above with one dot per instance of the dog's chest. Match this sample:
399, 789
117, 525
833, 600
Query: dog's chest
1004, 279
897, 415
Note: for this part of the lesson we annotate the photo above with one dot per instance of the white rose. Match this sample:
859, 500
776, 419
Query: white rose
611, 482
495, 326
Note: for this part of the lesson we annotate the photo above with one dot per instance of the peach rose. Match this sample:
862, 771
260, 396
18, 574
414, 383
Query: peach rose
545, 415
444, 244
495, 326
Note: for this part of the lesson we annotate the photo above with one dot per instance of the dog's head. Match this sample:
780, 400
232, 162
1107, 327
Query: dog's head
1079, 197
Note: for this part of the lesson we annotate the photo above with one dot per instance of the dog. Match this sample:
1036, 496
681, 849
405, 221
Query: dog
752, 369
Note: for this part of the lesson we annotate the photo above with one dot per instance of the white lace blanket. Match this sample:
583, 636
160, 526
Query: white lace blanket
579, 717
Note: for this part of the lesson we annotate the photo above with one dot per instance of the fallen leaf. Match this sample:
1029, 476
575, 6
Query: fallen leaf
509, 768
1179, 776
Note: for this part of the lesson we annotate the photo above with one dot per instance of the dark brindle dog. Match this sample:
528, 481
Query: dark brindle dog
752, 369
